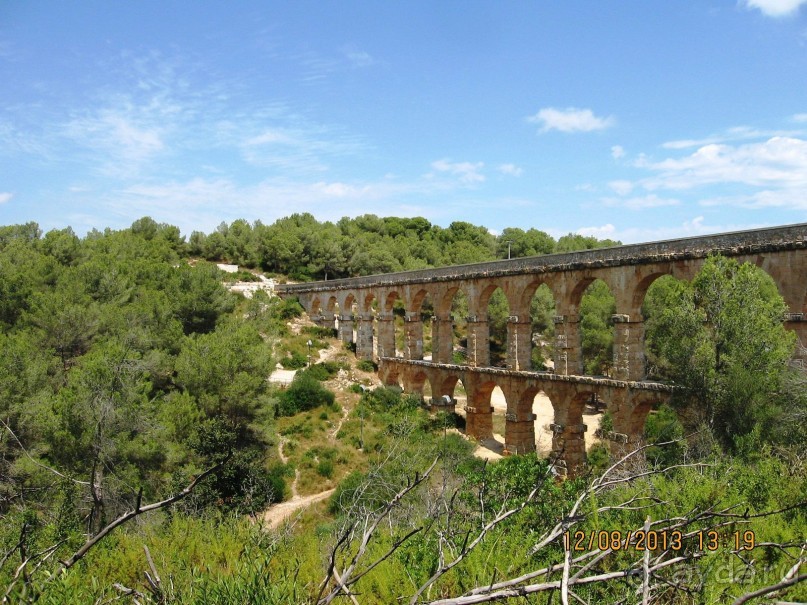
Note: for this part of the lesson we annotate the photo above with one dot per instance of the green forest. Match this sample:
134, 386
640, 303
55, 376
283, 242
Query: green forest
141, 442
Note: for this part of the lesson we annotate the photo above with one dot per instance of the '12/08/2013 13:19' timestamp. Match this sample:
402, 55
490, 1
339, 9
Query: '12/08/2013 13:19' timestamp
704, 540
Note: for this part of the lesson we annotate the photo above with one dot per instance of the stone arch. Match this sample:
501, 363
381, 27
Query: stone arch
332, 304
534, 401
457, 325
640, 291
536, 327
345, 319
483, 390
446, 385
347, 302
419, 315
642, 406
417, 381
368, 300
486, 293
390, 324
366, 337
418, 298
478, 411
495, 329
390, 298
390, 375
525, 297
576, 294
596, 329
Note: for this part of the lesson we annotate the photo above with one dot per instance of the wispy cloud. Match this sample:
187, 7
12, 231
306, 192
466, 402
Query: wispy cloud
570, 120
510, 169
691, 228
640, 202
119, 134
617, 152
302, 147
468, 173
621, 187
775, 8
201, 203
357, 57
737, 133
5, 197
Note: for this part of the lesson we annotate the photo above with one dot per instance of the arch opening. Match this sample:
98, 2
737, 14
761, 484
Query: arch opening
421, 384
459, 321
498, 312
542, 329
544, 410
394, 311
420, 338
596, 312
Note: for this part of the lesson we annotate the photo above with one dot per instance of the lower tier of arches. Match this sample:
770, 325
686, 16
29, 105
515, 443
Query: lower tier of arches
628, 403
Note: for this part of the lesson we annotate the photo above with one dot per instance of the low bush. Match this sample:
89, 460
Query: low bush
367, 365
319, 332
291, 308
324, 370
295, 361
304, 393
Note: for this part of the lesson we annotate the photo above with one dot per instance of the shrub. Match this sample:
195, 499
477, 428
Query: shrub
325, 468
291, 308
598, 457
367, 365
319, 332
305, 393
324, 370
662, 426
295, 361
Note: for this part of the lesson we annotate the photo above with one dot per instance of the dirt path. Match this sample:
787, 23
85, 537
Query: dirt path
277, 513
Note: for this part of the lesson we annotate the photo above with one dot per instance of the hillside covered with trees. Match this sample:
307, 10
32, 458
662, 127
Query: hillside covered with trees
131, 377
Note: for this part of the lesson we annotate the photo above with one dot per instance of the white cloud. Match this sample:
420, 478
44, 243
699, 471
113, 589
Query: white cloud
357, 57
778, 162
299, 146
800, 117
775, 8
605, 231
617, 152
467, 172
696, 226
621, 187
736, 133
511, 169
641, 202
123, 135
5, 197
570, 119
270, 136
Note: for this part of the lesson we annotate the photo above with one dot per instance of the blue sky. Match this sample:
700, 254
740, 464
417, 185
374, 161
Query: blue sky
632, 120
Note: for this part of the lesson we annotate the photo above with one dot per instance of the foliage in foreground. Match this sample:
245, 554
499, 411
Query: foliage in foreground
230, 560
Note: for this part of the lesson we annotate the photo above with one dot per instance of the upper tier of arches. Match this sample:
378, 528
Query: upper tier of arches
627, 271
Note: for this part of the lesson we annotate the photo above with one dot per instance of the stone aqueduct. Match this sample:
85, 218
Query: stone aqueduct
364, 306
